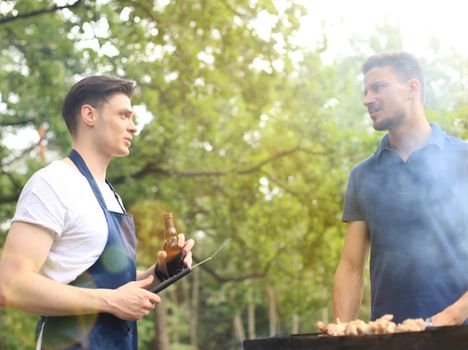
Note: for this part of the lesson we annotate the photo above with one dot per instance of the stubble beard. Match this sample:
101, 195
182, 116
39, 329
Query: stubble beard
390, 122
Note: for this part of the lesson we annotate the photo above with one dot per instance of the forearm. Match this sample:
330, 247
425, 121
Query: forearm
347, 293
462, 306
33, 293
22, 287
454, 314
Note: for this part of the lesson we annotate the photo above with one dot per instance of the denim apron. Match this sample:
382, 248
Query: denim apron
114, 268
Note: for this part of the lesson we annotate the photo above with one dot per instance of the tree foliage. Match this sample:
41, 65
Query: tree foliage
238, 137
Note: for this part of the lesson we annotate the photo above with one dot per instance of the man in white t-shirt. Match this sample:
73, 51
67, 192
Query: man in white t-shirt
70, 252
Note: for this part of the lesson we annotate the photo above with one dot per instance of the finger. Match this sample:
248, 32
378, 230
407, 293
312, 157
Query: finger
145, 282
161, 257
161, 260
188, 259
188, 245
147, 305
151, 302
142, 314
154, 299
180, 240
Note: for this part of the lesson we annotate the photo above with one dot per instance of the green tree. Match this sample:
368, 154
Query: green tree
238, 137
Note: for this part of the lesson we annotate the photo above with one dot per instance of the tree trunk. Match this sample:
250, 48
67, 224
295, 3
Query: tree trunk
173, 295
160, 325
251, 316
325, 309
239, 333
274, 321
194, 309
2, 327
325, 315
295, 324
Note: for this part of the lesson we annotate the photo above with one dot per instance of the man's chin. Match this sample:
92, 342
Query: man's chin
121, 153
381, 126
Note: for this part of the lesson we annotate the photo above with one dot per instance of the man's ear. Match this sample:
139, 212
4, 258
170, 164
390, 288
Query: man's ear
88, 114
414, 88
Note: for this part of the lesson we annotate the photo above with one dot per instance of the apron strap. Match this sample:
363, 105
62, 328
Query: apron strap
116, 196
83, 168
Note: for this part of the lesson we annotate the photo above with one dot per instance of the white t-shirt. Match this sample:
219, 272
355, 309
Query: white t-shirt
59, 197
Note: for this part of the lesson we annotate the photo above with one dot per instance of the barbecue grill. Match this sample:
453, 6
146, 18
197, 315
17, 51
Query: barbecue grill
449, 338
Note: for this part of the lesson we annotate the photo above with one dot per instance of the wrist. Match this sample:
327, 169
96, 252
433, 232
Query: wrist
450, 316
458, 312
105, 300
159, 274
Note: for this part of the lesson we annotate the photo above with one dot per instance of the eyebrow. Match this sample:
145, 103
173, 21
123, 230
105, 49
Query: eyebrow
373, 85
126, 111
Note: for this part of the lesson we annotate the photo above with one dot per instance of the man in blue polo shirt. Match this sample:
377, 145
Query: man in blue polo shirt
407, 205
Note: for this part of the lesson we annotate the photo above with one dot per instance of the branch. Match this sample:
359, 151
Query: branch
13, 197
9, 199
268, 160
22, 154
240, 278
152, 168
233, 10
302, 197
38, 12
16, 122
146, 9
12, 179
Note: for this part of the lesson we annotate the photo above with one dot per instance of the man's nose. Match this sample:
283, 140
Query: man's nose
132, 127
368, 99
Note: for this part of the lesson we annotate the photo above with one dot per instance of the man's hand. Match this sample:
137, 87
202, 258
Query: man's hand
186, 247
132, 301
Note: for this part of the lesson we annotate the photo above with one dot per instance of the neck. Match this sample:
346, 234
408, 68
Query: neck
96, 162
407, 138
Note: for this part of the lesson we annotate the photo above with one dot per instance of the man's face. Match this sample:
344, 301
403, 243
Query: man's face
386, 98
114, 126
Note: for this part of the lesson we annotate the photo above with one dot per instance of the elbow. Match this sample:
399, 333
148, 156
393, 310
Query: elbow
348, 275
2, 292
342, 271
2, 300
4, 287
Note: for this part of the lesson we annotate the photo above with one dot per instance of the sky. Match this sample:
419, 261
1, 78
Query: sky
445, 20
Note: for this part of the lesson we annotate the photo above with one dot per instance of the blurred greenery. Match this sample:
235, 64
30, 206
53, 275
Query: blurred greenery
244, 136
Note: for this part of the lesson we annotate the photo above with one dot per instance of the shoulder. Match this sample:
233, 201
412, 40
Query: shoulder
455, 154
55, 170
455, 144
364, 166
453, 140
58, 172
57, 177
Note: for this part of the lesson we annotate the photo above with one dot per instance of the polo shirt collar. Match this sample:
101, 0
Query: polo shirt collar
437, 138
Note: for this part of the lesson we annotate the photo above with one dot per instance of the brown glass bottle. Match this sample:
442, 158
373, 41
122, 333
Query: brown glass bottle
170, 236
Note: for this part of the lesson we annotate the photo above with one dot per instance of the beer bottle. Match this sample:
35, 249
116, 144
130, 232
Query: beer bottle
175, 255
170, 233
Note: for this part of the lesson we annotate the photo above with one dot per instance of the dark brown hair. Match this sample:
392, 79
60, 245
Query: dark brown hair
93, 90
405, 66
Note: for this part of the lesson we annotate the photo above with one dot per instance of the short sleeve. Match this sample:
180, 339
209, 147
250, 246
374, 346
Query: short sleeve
352, 211
41, 203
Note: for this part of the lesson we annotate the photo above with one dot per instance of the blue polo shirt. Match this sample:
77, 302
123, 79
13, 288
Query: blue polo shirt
417, 214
